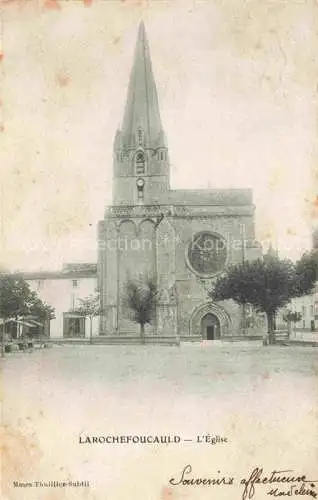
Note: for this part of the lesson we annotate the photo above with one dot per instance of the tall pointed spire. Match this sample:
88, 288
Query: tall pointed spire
141, 160
142, 110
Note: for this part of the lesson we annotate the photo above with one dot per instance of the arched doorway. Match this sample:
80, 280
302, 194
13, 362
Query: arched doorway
210, 327
209, 309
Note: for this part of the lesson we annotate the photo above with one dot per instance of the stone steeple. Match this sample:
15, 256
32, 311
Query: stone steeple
141, 163
142, 109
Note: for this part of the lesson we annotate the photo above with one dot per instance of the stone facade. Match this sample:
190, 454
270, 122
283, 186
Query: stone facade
182, 239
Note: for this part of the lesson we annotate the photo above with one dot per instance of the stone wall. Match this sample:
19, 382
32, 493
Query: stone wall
153, 242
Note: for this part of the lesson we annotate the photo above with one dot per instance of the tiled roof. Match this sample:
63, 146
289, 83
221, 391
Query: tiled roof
229, 197
69, 271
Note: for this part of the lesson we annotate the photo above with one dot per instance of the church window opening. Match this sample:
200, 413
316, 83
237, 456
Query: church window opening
140, 162
206, 254
161, 155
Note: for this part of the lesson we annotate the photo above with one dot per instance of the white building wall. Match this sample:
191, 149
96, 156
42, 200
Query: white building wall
307, 306
62, 294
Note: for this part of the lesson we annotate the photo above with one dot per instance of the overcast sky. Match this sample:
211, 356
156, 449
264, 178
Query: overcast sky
237, 84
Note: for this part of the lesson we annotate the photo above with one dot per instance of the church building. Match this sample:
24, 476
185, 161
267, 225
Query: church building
182, 239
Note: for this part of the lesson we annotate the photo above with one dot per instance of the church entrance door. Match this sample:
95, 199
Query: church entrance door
210, 327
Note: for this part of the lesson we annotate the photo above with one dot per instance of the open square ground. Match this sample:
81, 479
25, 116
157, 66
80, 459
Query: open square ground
262, 400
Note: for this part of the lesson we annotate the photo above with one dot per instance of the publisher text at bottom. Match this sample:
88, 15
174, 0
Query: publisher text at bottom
51, 484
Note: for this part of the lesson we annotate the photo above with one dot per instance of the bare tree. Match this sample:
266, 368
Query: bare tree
89, 307
141, 300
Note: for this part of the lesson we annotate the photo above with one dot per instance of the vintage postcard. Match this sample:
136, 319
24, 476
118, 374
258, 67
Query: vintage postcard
158, 249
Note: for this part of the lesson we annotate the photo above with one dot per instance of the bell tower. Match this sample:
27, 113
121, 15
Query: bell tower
141, 162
